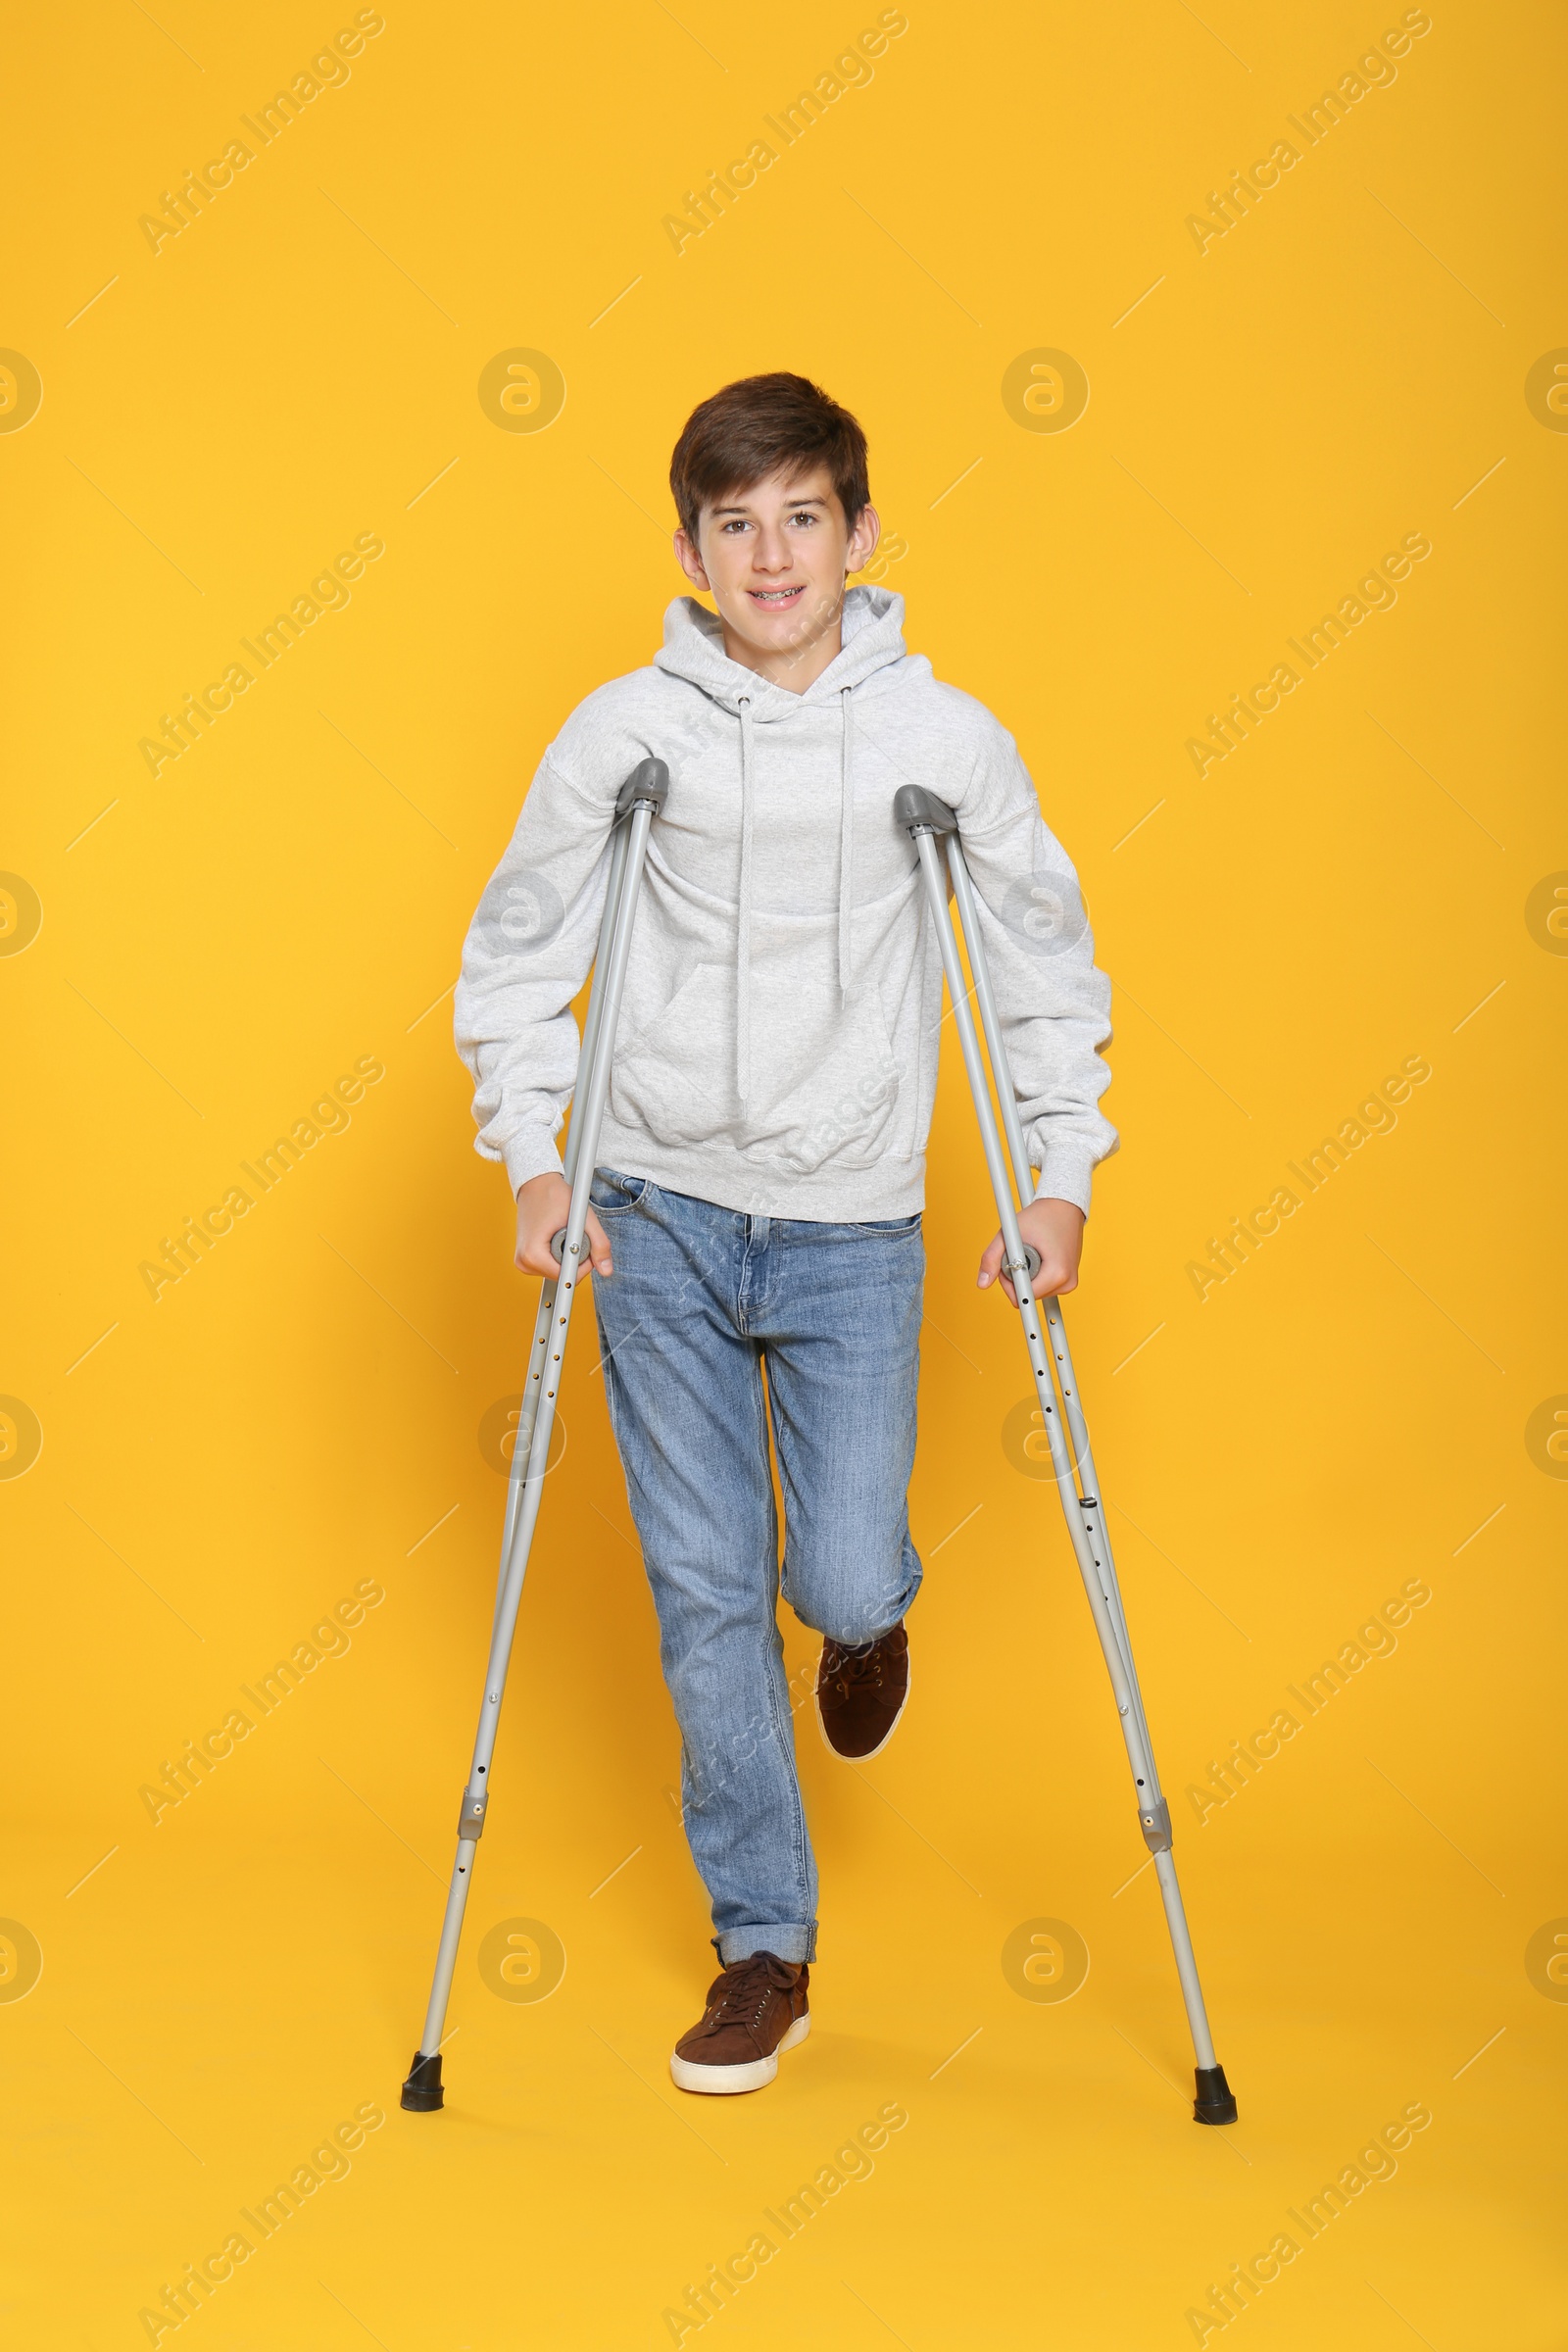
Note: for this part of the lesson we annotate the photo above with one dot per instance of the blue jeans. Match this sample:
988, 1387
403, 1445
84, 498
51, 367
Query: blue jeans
700, 1299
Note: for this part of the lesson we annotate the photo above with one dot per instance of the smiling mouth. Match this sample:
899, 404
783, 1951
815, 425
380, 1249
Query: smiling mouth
776, 599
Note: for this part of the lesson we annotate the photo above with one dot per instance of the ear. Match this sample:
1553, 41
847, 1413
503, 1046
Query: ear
690, 561
862, 540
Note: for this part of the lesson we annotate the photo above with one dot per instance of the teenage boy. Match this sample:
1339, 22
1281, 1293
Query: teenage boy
756, 1237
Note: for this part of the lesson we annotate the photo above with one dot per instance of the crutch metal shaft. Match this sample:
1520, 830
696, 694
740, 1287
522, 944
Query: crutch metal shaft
642, 794
929, 820
518, 1467
1089, 1500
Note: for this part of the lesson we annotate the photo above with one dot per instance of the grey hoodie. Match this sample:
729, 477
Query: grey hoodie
778, 1040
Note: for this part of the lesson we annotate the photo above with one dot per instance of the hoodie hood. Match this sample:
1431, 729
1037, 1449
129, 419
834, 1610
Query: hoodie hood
872, 632
694, 650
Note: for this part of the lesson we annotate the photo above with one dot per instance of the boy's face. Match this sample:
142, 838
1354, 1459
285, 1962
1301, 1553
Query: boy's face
775, 557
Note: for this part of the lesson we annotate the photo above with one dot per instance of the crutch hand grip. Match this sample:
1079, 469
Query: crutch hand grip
1032, 1255
558, 1244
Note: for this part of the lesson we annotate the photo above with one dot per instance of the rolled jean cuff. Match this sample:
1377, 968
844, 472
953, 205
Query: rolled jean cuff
792, 1943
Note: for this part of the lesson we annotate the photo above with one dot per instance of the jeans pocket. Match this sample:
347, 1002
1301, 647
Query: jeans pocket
892, 1227
612, 1192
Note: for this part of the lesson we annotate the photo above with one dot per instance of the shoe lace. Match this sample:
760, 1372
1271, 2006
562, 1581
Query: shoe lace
854, 1668
741, 1996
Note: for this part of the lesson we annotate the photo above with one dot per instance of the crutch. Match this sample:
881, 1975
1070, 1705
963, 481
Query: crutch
640, 797
928, 820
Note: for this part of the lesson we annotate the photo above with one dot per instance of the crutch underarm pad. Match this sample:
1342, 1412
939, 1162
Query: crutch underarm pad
648, 781
915, 809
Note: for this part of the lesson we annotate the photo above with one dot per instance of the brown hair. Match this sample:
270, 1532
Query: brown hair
763, 426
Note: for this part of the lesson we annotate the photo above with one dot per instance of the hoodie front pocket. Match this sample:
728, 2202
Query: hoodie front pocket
841, 1112
671, 1077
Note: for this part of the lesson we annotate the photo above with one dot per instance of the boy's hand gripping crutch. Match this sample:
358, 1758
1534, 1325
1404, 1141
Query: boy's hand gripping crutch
642, 794
929, 820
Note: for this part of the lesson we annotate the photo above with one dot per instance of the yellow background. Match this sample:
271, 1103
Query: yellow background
219, 943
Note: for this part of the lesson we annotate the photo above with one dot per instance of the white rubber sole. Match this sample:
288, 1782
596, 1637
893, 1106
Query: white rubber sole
816, 1701
722, 2080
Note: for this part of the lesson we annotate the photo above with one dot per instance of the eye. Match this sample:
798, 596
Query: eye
803, 515
738, 523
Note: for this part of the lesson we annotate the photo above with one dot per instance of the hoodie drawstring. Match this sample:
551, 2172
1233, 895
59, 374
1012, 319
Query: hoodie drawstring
743, 918
846, 846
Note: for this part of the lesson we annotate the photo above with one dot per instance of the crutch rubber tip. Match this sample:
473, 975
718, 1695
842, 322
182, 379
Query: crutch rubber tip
1215, 2102
422, 2093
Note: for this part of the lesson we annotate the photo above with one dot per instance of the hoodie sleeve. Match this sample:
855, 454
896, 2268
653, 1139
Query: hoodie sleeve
1053, 1001
526, 956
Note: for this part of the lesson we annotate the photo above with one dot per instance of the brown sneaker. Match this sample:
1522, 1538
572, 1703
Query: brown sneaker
756, 2008
861, 1694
